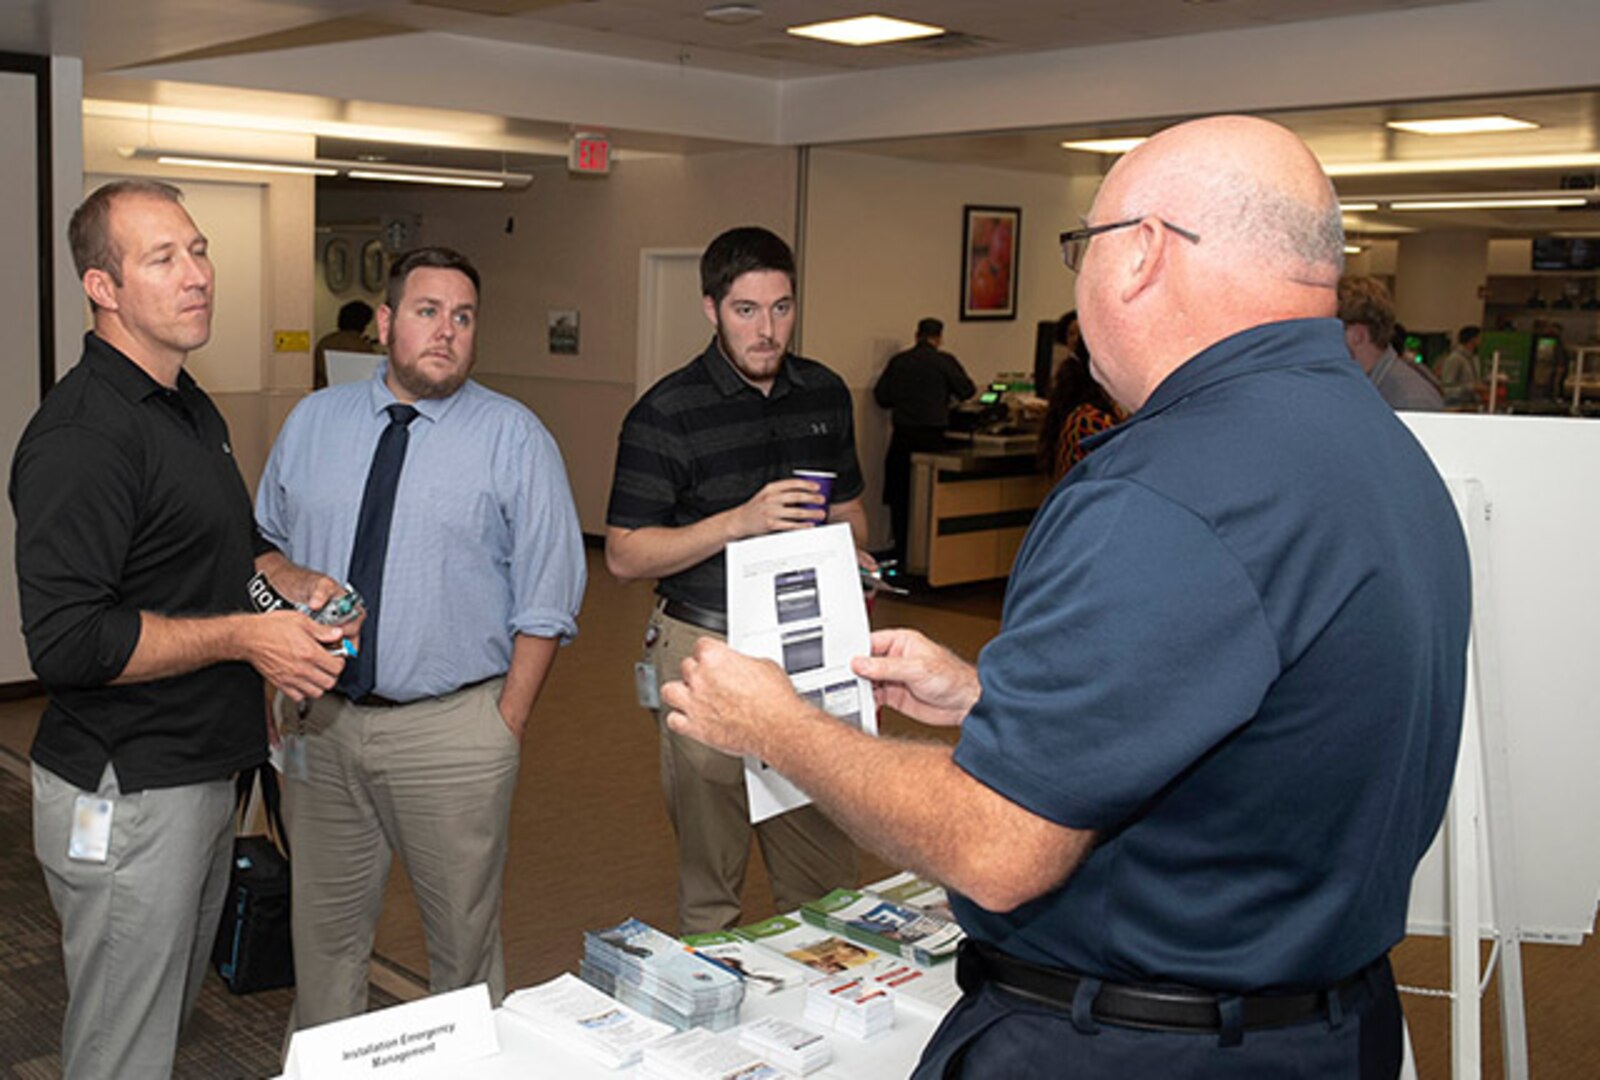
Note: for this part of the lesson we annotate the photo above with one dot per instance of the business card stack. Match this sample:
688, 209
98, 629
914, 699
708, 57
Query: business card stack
697, 1054
851, 1006
665, 980
581, 1018
791, 1047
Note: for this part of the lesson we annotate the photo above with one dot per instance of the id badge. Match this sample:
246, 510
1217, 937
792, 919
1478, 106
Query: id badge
293, 765
91, 829
645, 685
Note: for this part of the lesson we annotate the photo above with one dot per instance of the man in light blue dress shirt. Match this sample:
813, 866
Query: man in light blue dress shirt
481, 581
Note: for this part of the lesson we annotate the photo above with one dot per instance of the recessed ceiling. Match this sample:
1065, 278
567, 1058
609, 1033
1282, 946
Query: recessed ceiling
125, 34
129, 34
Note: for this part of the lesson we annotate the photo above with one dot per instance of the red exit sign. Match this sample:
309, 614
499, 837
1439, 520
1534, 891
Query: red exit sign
589, 153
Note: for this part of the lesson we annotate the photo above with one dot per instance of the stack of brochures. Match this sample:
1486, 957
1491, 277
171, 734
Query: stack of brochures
583, 1019
850, 1005
762, 970
666, 980
929, 991
697, 1054
789, 1046
885, 925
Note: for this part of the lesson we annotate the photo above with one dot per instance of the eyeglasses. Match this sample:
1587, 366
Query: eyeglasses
1076, 241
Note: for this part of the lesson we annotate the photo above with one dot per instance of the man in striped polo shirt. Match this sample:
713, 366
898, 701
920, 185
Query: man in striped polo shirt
708, 456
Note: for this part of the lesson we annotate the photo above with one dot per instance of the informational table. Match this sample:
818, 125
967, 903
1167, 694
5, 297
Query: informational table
527, 1054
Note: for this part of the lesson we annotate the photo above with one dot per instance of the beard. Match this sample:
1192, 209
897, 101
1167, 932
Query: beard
422, 386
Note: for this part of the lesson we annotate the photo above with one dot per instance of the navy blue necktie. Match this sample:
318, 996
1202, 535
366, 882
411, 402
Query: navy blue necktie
372, 545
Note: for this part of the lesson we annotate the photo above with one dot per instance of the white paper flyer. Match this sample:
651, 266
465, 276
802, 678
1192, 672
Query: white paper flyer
795, 598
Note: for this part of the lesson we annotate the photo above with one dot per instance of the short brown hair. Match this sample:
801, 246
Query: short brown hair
89, 233
426, 258
1365, 301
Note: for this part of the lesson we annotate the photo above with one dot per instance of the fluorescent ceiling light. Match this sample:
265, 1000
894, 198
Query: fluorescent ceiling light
1104, 146
1425, 166
1490, 204
449, 130
865, 30
248, 166
1353, 249
1356, 207
1462, 125
355, 170
424, 178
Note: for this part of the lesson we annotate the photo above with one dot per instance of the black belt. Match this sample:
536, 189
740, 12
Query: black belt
378, 701
695, 615
1158, 1008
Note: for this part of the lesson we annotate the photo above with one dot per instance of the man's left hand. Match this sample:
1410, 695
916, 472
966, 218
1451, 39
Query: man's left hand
727, 700
299, 584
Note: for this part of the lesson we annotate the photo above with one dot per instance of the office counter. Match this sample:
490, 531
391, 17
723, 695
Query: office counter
970, 506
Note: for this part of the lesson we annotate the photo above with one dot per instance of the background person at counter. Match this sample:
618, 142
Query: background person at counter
1367, 312
918, 387
1078, 405
1201, 760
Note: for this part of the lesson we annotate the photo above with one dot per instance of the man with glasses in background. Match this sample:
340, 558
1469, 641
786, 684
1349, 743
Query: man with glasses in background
1216, 732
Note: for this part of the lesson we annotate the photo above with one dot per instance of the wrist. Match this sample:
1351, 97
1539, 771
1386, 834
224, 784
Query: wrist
237, 634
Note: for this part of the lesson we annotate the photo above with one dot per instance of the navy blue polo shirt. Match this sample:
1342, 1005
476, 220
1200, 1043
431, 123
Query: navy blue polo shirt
1234, 644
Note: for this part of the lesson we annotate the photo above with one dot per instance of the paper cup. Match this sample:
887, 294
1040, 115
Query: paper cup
820, 477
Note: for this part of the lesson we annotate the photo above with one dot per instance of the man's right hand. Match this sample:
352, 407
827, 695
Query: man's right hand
919, 678
290, 651
781, 505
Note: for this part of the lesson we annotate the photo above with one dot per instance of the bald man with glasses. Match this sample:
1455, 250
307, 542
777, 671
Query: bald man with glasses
1218, 726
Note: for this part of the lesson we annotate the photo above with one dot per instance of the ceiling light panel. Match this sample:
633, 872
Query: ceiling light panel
1489, 204
1499, 163
865, 30
1104, 146
1463, 125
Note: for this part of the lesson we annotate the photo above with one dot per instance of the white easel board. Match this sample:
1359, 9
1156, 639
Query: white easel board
1541, 477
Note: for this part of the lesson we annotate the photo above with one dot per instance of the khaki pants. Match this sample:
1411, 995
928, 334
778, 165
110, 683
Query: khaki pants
137, 929
806, 854
431, 781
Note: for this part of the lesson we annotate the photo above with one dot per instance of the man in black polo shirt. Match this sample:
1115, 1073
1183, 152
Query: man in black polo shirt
135, 543
918, 387
707, 456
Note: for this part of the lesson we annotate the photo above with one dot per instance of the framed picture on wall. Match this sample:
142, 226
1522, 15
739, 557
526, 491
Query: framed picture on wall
374, 266
989, 236
563, 327
336, 265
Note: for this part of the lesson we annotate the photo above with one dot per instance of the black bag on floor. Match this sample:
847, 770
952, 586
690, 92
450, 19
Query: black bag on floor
253, 950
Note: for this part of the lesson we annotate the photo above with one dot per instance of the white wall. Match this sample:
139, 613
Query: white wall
574, 243
19, 313
883, 249
1441, 279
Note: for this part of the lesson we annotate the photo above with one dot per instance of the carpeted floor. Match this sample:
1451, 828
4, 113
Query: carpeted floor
228, 1037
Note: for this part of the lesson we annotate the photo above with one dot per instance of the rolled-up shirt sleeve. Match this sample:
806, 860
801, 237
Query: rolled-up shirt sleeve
548, 572
74, 493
